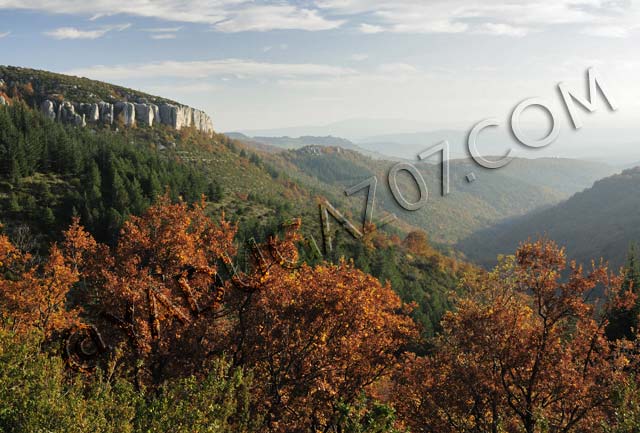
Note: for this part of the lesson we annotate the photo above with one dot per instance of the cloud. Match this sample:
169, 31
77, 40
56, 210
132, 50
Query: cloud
223, 15
268, 48
163, 33
496, 17
74, 33
183, 88
226, 68
162, 29
502, 29
370, 29
4, 34
163, 36
283, 17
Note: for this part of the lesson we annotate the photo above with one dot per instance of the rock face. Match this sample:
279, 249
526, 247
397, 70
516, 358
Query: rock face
145, 114
48, 108
67, 114
142, 113
91, 112
126, 111
105, 110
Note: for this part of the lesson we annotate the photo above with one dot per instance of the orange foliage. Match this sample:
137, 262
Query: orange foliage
32, 295
524, 352
158, 286
317, 335
312, 336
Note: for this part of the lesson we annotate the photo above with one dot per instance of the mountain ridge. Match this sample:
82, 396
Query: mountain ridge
79, 101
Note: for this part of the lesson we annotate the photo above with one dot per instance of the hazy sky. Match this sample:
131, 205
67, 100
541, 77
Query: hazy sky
262, 64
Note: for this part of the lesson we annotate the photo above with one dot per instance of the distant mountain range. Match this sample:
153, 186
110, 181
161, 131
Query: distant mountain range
352, 129
406, 139
273, 144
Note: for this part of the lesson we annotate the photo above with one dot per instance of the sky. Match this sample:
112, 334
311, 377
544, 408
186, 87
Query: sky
256, 65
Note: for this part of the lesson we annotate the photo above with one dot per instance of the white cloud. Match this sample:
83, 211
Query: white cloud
359, 57
222, 15
162, 29
74, 33
237, 68
163, 36
4, 34
269, 17
175, 89
268, 48
502, 29
513, 18
370, 29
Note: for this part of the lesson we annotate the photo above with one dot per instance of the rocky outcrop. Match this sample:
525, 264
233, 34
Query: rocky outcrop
126, 112
202, 122
67, 114
141, 113
145, 113
48, 108
179, 117
91, 112
105, 110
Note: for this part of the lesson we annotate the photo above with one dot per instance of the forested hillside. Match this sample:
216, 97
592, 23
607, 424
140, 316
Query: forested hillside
599, 222
521, 187
53, 172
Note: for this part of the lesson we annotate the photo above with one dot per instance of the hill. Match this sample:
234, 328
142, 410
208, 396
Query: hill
272, 144
599, 222
521, 187
104, 174
80, 101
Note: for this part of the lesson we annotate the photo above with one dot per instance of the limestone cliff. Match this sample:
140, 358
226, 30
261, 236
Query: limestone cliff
80, 101
130, 114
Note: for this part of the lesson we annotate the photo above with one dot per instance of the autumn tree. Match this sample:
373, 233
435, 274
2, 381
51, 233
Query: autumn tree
32, 294
316, 338
157, 291
522, 352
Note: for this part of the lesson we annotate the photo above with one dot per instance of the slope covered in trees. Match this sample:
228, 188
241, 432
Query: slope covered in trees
166, 340
53, 172
599, 222
521, 187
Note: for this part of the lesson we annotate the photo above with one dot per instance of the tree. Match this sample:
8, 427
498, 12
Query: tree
33, 295
523, 352
317, 337
158, 286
